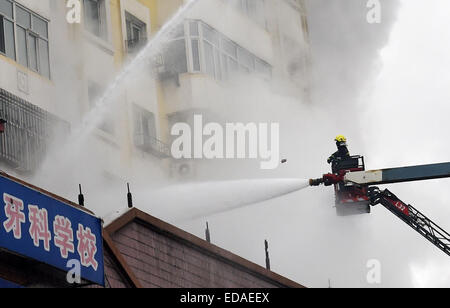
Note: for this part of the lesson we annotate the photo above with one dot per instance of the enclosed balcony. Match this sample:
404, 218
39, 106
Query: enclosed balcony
28, 132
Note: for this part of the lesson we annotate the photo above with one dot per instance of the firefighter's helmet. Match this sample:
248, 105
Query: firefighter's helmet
341, 139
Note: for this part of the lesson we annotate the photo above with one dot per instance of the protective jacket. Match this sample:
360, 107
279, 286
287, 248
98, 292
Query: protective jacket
340, 154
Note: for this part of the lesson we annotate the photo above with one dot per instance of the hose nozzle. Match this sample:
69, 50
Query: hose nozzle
327, 180
316, 182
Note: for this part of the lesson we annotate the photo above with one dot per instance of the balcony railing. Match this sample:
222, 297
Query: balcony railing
28, 132
152, 145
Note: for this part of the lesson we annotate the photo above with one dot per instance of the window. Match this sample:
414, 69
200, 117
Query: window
30, 37
10, 49
145, 124
229, 57
246, 60
95, 92
211, 44
195, 55
95, 17
175, 52
22, 54
145, 137
255, 9
195, 45
210, 52
6, 8
2, 36
32, 41
7, 46
209, 58
262, 68
136, 33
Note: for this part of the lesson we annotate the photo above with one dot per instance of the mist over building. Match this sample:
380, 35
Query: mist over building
53, 72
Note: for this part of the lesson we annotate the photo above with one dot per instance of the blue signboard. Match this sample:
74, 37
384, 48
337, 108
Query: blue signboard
5, 284
37, 226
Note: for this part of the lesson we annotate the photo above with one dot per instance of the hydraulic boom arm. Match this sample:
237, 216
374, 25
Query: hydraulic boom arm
353, 187
398, 175
411, 216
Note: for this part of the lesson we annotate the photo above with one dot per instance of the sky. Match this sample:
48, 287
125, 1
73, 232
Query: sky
411, 96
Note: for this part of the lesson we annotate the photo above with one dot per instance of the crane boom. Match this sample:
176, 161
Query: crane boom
399, 175
411, 216
355, 193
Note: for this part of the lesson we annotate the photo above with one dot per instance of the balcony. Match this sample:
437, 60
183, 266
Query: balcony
152, 145
28, 132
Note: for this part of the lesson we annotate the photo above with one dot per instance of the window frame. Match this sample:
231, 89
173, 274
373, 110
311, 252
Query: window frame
29, 32
37, 36
222, 70
12, 20
2, 37
133, 23
181, 37
102, 20
189, 51
142, 115
12, 5
145, 130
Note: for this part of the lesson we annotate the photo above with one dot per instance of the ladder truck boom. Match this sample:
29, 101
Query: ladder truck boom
399, 175
355, 193
412, 217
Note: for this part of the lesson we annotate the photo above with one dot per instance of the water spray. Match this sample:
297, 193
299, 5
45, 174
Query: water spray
94, 117
227, 196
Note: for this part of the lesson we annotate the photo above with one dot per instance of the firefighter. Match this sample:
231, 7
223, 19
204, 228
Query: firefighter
342, 152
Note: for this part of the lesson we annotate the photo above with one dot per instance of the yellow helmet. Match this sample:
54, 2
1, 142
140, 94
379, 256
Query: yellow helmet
340, 138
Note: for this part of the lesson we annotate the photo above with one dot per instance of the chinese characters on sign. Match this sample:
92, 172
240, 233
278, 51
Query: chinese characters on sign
39, 230
86, 247
13, 208
63, 235
48, 230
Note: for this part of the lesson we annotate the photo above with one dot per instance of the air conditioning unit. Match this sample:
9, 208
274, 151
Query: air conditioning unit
182, 169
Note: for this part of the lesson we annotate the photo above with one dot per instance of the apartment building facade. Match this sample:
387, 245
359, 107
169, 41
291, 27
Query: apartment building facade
53, 73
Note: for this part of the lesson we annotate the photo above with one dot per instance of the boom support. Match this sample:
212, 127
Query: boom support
355, 193
398, 175
411, 216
